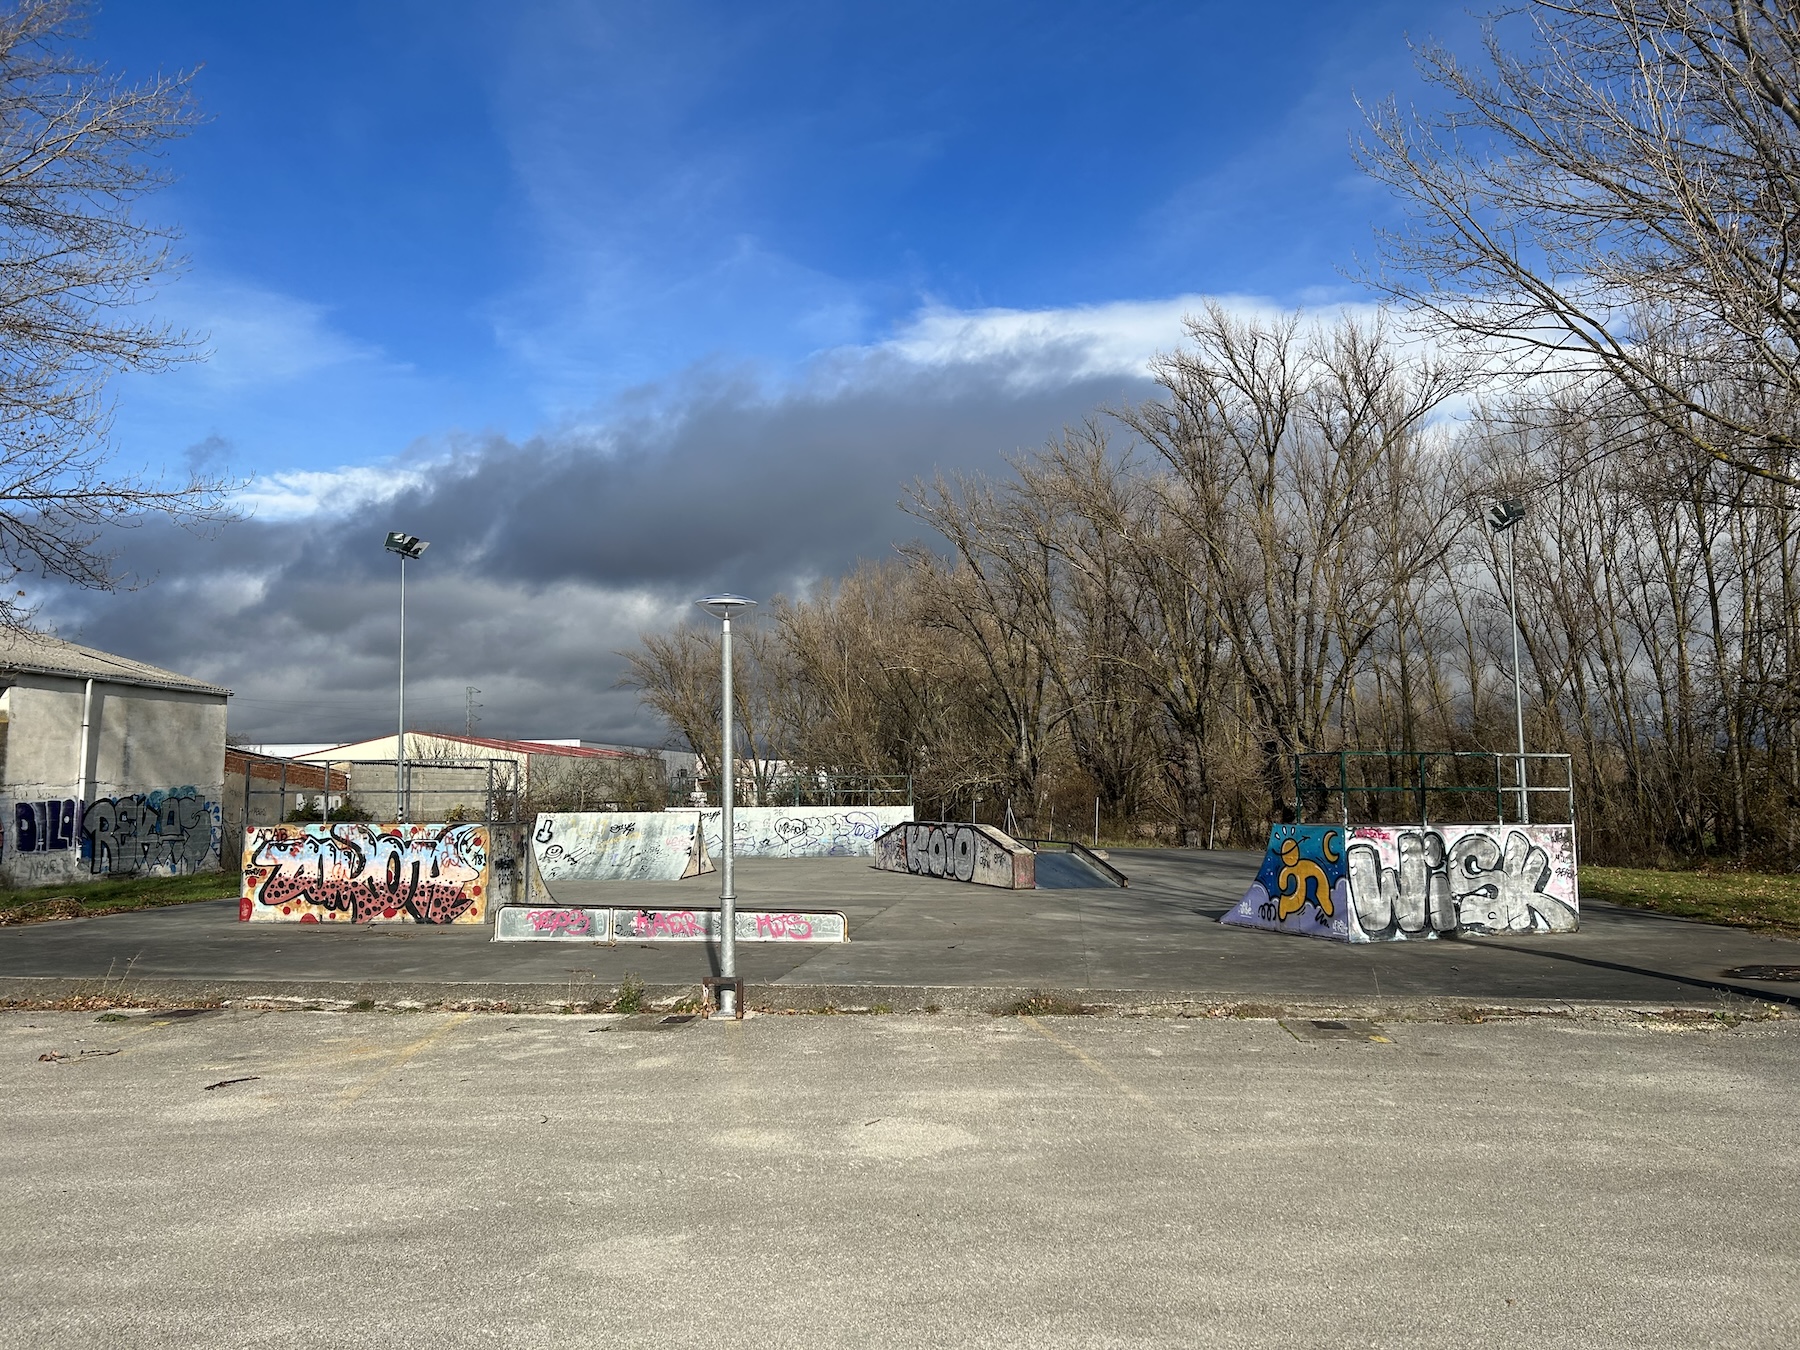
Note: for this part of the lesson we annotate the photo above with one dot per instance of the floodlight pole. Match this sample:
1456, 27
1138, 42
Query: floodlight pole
1504, 519
722, 606
1512, 597
408, 547
400, 740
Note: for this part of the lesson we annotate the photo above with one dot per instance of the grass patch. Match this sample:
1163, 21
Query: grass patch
631, 995
1761, 900
114, 896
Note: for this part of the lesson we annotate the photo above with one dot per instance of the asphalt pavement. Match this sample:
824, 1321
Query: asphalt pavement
915, 943
298, 1179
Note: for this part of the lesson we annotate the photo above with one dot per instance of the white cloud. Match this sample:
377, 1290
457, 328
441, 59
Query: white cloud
256, 337
298, 493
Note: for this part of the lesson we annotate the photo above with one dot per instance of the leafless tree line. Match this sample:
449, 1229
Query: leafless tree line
1285, 551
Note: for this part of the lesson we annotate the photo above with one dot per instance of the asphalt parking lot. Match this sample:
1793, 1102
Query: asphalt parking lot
326, 1179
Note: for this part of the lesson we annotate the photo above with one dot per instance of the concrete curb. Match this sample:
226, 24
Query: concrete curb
39, 992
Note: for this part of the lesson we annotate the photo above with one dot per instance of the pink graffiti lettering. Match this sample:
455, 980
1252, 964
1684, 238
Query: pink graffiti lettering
783, 926
574, 922
655, 923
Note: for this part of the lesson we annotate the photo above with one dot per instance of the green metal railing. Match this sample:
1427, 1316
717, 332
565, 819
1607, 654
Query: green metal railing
1467, 786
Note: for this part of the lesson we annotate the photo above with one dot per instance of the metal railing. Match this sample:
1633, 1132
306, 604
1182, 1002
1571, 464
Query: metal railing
472, 791
805, 789
1464, 786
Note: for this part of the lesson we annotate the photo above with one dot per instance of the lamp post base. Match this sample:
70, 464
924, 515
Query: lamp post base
724, 996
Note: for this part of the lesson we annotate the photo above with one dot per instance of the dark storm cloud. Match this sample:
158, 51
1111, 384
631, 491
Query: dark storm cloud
548, 556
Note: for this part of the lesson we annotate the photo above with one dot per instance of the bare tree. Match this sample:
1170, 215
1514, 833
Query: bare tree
1618, 195
79, 148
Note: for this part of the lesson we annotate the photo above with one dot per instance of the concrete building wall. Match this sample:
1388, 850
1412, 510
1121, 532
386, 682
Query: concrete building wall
146, 800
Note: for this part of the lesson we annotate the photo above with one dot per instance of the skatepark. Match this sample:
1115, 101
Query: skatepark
913, 943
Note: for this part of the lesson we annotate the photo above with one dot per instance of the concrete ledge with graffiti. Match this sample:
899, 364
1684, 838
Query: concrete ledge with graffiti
553, 923
958, 851
366, 874
1383, 883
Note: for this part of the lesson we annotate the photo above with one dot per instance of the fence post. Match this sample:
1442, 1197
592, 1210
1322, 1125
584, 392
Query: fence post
1344, 785
1424, 809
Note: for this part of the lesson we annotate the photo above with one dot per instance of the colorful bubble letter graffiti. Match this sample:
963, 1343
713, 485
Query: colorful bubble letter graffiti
365, 874
1371, 883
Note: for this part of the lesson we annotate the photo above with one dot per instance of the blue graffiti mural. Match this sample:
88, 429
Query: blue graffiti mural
1302, 881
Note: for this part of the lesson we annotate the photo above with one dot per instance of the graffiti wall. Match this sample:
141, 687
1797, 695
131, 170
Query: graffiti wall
1302, 886
958, 851
803, 831
673, 845
351, 873
1373, 883
619, 846
158, 833
526, 923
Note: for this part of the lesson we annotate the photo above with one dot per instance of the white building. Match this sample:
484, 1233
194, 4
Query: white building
108, 766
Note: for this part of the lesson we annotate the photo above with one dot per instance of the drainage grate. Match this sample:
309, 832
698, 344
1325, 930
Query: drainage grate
1772, 973
1331, 1029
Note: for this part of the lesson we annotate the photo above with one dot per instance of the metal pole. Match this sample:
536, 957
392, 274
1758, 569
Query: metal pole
1512, 598
400, 740
727, 897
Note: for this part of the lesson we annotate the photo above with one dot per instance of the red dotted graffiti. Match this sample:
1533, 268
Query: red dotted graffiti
366, 873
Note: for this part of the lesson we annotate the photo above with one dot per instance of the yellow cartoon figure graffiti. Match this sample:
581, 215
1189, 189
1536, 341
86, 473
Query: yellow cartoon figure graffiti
1301, 880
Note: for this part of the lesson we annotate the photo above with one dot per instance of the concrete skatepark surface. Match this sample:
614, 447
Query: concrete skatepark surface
914, 942
449, 1180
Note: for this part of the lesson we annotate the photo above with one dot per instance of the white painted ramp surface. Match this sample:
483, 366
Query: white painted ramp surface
618, 846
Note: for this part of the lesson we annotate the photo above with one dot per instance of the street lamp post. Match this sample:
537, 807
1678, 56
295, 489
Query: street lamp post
1503, 518
722, 607
409, 547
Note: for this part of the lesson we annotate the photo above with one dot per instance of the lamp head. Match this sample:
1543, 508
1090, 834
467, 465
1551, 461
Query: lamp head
406, 545
724, 606
1504, 515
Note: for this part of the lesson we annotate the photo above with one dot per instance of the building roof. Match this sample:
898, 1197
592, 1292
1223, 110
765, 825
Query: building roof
41, 654
487, 743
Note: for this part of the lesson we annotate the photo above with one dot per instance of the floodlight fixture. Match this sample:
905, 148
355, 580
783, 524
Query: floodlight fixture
406, 545
724, 606
1503, 515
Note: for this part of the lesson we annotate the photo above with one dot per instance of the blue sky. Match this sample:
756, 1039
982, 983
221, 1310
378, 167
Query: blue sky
427, 238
